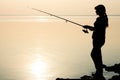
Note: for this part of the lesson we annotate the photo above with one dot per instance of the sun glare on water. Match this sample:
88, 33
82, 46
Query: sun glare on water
38, 68
43, 18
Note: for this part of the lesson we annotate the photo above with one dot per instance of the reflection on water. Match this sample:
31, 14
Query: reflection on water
27, 19
40, 48
39, 18
38, 67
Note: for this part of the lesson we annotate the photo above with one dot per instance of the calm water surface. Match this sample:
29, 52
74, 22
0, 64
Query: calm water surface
44, 48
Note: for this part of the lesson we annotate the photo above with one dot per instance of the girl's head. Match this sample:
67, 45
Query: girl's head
100, 10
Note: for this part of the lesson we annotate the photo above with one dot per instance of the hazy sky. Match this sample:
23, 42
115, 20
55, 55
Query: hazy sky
64, 7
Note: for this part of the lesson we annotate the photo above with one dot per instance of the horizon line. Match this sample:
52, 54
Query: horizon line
61, 15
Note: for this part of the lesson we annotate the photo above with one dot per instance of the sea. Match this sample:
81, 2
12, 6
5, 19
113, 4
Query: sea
46, 47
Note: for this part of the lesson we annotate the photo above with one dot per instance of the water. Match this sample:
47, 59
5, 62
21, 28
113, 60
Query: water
44, 48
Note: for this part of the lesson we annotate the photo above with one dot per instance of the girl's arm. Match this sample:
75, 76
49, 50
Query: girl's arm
89, 27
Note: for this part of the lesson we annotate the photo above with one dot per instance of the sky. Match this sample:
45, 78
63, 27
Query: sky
59, 7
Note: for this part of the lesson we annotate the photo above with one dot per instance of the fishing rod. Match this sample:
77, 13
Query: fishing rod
84, 30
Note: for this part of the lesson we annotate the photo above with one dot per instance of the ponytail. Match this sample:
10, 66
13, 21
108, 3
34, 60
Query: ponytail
106, 17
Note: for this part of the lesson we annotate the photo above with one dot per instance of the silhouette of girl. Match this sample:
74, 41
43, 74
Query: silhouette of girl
98, 37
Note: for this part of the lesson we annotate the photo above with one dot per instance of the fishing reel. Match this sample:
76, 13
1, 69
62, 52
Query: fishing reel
85, 30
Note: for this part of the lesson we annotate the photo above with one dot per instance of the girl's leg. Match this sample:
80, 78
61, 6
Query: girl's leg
97, 59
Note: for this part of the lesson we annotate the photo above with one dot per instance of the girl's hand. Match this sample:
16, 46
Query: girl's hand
86, 26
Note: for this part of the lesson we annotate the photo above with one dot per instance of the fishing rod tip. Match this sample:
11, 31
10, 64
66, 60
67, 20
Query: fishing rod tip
28, 7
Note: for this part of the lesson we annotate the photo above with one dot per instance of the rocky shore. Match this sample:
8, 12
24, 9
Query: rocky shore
115, 68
